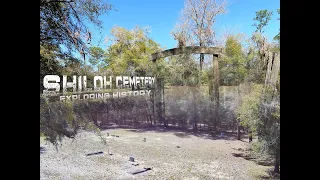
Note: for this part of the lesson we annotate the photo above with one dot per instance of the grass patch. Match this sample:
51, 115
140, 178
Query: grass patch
42, 139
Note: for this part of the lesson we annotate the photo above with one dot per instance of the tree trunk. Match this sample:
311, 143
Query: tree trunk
201, 61
238, 132
107, 114
269, 67
94, 118
277, 161
273, 70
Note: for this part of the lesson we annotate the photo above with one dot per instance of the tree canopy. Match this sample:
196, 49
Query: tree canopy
263, 17
64, 23
129, 51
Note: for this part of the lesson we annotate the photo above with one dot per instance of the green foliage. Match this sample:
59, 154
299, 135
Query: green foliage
48, 62
207, 76
41, 134
277, 37
260, 112
183, 70
64, 118
263, 17
260, 148
130, 51
257, 48
248, 111
64, 23
233, 68
162, 69
55, 121
73, 66
96, 55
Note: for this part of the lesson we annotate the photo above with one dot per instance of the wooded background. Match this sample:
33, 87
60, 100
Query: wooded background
249, 73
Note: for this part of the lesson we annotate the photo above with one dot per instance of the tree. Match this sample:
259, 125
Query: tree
234, 65
182, 70
260, 112
96, 57
64, 23
129, 52
48, 62
269, 126
260, 109
248, 111
263, 17
277, 37
261, 44
258, 57
73, 66
63, 32
195, 26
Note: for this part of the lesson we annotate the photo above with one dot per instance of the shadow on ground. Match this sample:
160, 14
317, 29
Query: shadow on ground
258, 161
270, 174
182, 132
42, 150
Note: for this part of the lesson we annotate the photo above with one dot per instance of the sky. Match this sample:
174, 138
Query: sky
162, 15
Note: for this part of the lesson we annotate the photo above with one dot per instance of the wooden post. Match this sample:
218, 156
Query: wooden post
158, 97
159, 91
163, 103
194, 123
238, 120
153, 98
216, 89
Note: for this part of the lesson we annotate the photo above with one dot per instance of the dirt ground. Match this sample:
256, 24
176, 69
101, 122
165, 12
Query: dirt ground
171, 155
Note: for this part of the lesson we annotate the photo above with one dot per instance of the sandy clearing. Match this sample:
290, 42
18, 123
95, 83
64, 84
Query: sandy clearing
197, 158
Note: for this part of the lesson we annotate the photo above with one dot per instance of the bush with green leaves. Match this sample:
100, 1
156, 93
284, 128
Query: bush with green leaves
260, 112
248, 111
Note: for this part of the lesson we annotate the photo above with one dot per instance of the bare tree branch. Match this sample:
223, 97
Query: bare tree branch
46, 1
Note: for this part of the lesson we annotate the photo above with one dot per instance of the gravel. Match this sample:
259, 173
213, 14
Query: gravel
196, 159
